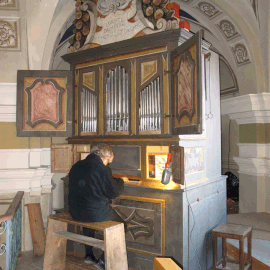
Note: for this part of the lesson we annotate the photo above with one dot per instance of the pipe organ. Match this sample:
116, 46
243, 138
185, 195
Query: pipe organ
140, 95
117, 100
88, 111
138, 87
149, 105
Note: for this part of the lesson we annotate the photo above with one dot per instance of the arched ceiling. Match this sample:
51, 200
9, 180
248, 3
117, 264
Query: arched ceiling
232, 27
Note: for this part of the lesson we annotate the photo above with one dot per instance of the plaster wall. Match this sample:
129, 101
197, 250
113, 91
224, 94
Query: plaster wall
12, 60
229, 140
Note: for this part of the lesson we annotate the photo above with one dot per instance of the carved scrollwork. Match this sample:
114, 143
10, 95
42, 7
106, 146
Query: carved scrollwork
208, 9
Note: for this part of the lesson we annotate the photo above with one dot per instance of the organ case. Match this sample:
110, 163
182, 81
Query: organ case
146, 86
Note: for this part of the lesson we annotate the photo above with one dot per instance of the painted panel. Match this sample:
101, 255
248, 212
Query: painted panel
145, 218
89, 80
177, 160
44, 103
187, 86
194, 160
148, 69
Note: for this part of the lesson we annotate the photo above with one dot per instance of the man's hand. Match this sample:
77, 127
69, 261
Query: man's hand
125, 179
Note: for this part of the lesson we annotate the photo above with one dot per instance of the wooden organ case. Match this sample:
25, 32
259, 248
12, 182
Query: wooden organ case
141, 92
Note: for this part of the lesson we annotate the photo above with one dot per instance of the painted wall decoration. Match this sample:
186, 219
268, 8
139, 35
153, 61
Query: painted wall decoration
186, 1
9, 39
240, 53
194, 160
9, 4
227, 28
107, 21
208, 9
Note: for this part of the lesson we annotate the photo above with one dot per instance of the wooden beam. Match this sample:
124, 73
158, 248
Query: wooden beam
81, 239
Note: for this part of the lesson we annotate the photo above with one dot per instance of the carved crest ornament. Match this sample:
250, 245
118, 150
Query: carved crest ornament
108, 21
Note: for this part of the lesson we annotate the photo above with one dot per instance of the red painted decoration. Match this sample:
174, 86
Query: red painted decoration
176, 9
184, 24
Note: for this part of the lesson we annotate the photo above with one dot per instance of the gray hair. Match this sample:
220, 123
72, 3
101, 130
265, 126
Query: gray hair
103, 150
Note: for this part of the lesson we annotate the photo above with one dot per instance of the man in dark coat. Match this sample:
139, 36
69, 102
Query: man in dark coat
91, 188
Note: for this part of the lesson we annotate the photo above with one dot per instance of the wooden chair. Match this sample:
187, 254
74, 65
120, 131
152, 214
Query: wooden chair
114, 244
232, 231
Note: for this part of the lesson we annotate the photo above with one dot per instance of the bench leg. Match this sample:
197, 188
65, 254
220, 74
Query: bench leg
115, 248
55, 248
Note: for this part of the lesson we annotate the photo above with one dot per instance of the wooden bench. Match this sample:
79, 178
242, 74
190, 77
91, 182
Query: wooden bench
114, 244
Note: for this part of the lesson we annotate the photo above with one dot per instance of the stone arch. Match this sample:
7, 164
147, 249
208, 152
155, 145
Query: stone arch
245, 39
231, 27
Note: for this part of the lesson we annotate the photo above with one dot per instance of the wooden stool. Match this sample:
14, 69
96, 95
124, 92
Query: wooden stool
232, 231
114, 244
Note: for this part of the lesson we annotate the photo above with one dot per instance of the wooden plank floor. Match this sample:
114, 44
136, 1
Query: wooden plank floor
77, 263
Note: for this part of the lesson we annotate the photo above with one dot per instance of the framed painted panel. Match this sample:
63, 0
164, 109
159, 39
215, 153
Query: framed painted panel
44, 103
178, 166
145, 218
187, 87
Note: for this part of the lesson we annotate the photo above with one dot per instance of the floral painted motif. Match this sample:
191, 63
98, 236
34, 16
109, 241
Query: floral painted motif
7, 35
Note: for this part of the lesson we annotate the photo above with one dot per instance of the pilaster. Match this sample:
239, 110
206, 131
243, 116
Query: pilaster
252, 113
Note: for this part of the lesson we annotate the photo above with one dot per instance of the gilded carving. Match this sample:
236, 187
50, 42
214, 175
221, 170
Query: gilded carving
8, 34
228, 29
148, 69
208, 9
89, 80
240, 53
